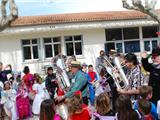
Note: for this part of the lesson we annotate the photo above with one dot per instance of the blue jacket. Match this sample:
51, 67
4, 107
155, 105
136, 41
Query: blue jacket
79, 81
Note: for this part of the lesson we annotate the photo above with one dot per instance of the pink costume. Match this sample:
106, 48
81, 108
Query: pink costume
23, 105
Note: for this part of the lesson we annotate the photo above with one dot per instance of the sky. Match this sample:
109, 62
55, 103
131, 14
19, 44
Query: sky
43, 7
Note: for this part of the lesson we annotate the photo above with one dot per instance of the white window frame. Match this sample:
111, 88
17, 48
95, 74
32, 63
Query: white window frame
52, 44
150, 41
31, 48
73, 41
123, 42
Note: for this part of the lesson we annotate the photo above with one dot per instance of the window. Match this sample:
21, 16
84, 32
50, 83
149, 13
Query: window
150, 32
30, 49
114, 34
150, 44
119, 47
147, 46
52, 46
131, 33
132, 46
73, 45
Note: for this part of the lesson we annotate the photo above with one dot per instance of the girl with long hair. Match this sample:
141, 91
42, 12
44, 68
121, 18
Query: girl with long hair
47, 111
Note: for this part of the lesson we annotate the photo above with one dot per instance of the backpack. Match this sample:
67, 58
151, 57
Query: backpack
104, 117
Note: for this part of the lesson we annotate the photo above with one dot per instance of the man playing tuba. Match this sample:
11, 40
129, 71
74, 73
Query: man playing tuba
79, 83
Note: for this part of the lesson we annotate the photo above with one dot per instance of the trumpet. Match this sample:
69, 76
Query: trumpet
118, 74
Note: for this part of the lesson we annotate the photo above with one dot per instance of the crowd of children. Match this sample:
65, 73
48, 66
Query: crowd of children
28, 95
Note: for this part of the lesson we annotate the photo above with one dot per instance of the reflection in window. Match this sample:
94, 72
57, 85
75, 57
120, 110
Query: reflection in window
132, 46
119, 47
52, 46
154, 44
73, 45
147, 46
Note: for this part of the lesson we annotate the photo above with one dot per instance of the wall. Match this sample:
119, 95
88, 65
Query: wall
11, 51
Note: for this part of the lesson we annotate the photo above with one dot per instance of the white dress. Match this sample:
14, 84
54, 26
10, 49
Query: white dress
9, 101
39, 97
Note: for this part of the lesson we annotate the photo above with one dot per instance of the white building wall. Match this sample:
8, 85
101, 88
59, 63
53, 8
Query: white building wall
11, 50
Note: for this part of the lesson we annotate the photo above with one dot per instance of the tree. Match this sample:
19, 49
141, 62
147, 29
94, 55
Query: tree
146, 6
6, 19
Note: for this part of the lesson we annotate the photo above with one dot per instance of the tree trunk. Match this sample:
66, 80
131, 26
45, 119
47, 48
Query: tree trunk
6, 19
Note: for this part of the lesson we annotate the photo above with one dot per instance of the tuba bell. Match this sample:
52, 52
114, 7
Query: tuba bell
61, 74
117, 73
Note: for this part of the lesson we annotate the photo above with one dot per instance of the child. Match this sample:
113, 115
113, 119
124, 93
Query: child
144, 107
103, 108
124, 109
28, 78
93, 77
39, 94
146, 93
47, 111
76, 109
9, 101
22, 101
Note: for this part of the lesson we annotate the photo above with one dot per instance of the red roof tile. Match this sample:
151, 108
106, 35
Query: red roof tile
77, 17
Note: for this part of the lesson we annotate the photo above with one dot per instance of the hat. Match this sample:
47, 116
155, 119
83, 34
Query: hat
84, 64
75, 64
112, 51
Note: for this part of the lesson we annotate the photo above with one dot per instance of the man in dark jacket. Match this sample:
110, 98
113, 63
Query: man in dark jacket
154, 69
51, 83
3, 74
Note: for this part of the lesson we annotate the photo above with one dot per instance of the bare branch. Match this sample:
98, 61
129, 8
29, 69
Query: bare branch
147, 8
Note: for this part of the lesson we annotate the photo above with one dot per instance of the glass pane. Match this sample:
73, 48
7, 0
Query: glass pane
119, 47
48, 51
47, 40
147, 46
56, 39
154, 44
78, 48
57, 49
70, 49
114, 34
68, 38
131, 33
77, 37
150, 32
109, 46
35, 52
34, 41
132, 46
27, 53
25, 42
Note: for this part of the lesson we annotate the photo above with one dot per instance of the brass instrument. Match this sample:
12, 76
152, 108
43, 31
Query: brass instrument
61, 74
117, 72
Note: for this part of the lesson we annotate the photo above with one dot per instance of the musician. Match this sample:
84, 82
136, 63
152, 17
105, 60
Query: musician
134, 76
154, 69
50, 82
100, 67
79, 82
99, 61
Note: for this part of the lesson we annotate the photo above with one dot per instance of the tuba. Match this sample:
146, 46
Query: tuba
61, 74
118, 74
63, 82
